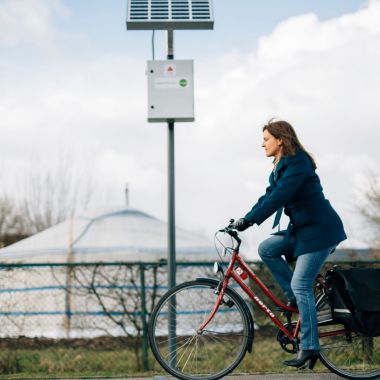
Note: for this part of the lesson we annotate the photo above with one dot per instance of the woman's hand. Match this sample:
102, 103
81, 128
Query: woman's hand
242, 224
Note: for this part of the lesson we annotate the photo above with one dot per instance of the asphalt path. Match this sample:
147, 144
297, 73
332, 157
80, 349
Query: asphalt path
299, 375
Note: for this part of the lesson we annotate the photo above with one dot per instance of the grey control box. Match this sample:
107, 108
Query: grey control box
170, 90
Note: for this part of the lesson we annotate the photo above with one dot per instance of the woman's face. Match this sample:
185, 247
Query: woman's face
272, 146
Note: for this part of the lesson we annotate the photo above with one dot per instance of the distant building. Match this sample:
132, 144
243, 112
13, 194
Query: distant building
55, 300
103, 236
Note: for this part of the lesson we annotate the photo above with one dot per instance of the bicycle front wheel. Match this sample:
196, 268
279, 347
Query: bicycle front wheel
188, 354
348, 353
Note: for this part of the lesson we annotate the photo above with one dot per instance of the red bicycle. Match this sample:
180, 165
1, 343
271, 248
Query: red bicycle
202, 329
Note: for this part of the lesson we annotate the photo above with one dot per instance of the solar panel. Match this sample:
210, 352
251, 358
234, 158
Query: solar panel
169, 14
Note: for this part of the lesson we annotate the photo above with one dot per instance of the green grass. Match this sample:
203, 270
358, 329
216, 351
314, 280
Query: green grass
65, 361
115, 357
35, 357
92, 361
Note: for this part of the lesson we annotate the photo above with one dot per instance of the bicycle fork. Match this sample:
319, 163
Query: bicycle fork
219, 290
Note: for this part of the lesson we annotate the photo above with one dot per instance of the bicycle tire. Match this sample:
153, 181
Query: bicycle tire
217, 350
349, 355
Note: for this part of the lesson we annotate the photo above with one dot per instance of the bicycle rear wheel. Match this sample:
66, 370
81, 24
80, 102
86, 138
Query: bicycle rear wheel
348, 353
174, 337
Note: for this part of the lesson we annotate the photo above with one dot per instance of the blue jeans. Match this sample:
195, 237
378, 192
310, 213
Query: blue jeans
298, 284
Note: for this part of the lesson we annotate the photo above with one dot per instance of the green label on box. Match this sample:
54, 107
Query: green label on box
183, 82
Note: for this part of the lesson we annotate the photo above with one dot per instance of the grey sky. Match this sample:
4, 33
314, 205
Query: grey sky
73, 81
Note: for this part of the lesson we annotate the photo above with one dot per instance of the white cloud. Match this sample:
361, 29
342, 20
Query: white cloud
28, 21
321, 76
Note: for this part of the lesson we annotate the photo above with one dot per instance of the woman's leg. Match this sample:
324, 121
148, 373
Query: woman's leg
270, 251
307, 267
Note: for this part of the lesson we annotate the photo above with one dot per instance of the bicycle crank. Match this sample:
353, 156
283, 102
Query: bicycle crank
288, 345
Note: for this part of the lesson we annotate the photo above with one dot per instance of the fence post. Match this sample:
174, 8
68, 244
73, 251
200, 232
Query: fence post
143, 318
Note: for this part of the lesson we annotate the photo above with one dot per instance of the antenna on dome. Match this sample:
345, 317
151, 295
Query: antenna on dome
127, 194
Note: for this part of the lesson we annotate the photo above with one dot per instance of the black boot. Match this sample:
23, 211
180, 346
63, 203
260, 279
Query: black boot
302, 358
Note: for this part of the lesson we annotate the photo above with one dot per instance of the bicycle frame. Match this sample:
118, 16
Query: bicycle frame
232, 274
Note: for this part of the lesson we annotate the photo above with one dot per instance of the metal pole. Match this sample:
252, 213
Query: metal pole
171, 187
171, 224
171, 208
69, 281
143, 318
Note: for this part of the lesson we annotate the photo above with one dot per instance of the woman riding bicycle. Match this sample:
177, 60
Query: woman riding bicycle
313, 233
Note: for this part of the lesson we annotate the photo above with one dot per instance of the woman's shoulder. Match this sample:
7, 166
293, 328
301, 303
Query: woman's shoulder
299, 156
300, 161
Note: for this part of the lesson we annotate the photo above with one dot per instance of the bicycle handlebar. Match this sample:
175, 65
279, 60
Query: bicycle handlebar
231, 230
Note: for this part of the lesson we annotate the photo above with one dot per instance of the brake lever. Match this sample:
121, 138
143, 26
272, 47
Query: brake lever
229, 228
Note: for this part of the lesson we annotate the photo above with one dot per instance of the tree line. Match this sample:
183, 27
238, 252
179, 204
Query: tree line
47, 198
54, 195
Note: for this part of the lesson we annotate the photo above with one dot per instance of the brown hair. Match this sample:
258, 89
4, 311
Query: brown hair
290, 144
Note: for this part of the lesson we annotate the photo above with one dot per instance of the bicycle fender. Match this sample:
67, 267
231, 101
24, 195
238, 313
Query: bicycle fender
245, 306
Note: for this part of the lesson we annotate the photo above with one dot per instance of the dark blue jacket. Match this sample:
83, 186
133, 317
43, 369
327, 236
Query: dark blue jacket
295, 186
